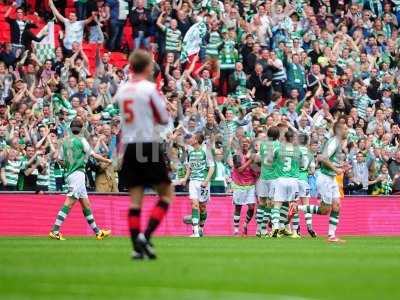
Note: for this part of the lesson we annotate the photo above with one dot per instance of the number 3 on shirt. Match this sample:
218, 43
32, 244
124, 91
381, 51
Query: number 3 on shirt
128, 112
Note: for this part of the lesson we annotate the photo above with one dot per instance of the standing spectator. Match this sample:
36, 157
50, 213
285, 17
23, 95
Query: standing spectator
141, 21
7, 55
17, 28
295, 74
260, 85
10, 170
173, 36
361, 174
279, 73
101, 13
29, 174
119, 10
105, 181
362, 102
73, 28
394, 172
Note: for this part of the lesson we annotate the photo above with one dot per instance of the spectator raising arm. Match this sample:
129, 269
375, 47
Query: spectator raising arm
56, 12
8, 11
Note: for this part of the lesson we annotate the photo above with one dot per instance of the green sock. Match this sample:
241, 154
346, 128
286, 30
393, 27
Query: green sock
313, 209
260, 216
195, 216
90, 219
275, 218
333, 222
61, 216
283, 218
203, 218
267, 214
296, 221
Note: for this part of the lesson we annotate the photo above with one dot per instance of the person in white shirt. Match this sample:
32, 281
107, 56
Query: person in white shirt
73, 28
143, 108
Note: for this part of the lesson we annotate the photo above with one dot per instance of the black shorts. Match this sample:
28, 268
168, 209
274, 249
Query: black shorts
143, 165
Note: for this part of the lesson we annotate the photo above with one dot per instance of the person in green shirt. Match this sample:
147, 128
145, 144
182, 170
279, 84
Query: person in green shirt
200, 169
265, 183
296, 76
331, 165
74, 153
10, 171
173, 36
286, 166
307, 164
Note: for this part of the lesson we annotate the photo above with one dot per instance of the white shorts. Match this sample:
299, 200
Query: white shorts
197, 192
285, 189
265, 188
304, 189
327, 188
76, 185
243, 197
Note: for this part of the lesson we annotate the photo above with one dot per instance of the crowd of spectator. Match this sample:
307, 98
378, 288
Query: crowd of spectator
298, 64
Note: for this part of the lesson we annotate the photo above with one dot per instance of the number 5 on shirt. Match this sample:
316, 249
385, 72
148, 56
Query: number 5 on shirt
128, 112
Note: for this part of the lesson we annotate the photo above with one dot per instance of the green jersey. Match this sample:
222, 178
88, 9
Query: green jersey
200, 161
173, 40
333, 152
268, 153
287, 161
75, 151
12, 168
306, 161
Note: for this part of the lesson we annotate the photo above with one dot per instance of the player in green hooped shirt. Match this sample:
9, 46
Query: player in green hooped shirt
286, 163
266, 180
307, 165
200, 169
74, 153
327, 186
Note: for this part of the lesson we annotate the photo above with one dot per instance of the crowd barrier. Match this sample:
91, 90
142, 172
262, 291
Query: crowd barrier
22, 214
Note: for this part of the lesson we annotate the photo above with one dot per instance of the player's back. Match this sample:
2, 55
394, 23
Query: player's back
74, 154
142, 107
288, 161
267, 153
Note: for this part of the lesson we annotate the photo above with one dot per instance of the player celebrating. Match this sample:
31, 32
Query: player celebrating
74, 153
200, 168
144, 165
327, 186
286, 163
306, 163
243, 185
267, 177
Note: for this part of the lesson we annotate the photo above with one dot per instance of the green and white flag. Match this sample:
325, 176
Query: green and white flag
45, 49
192, 40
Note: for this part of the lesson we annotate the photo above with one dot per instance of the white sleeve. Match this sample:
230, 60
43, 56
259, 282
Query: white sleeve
159, 107
209, 158
86, 147
61, 153
330, 148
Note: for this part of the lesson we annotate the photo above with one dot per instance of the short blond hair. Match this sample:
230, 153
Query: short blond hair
139, 60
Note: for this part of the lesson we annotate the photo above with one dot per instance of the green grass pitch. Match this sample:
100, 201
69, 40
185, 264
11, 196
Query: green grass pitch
207, 268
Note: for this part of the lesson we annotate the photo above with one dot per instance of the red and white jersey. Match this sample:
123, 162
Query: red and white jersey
142, 108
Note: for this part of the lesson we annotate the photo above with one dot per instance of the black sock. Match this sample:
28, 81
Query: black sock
134, 223
156, 217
